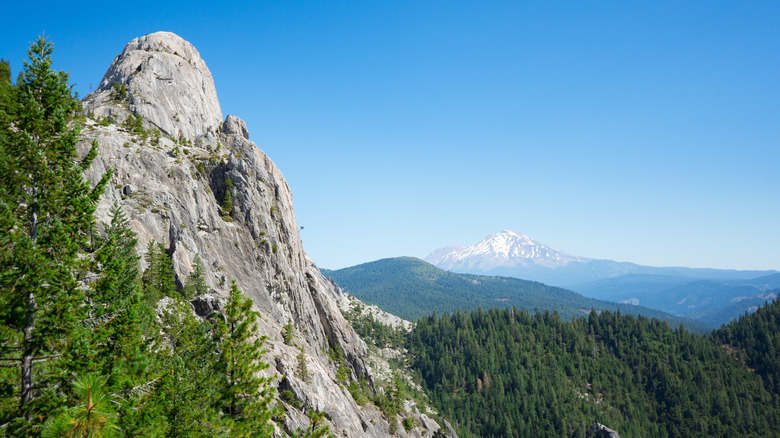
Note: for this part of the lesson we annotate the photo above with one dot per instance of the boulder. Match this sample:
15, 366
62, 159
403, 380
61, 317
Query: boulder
600, 431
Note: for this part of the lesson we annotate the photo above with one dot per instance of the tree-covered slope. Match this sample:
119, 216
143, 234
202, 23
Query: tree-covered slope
507, 373
411, 288
755, 340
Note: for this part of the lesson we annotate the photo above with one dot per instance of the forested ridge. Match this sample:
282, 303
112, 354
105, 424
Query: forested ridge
755, 340
510, 373
411, 288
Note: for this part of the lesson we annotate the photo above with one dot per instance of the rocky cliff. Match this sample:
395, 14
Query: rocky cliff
159, 125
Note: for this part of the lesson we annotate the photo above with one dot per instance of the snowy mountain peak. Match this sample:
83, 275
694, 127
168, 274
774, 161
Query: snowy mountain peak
501, 250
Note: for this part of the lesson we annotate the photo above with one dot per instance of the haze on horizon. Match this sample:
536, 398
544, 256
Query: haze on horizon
645, 133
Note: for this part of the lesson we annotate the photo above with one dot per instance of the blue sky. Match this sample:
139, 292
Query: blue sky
635, 132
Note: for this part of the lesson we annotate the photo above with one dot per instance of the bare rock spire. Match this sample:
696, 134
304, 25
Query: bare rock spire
162, 78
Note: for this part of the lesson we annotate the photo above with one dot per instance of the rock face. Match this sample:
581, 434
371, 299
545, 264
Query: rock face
166, 82
601, 431
173, 184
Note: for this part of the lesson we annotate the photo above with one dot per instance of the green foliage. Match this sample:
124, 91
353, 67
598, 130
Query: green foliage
391, 400
370, 329
754, 340
316, 428
119, 91
159, 279
336, 355
46, 222
6, 90
359, 391
408, 424
288, 397
393, 429
503, 370
135, 124
118, 262
227, 204
155, 136
302, 369
93, 416
245, 401
288, 333
89, 348
196, 280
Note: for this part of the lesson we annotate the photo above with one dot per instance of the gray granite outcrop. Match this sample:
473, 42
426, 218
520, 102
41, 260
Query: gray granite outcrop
174, 163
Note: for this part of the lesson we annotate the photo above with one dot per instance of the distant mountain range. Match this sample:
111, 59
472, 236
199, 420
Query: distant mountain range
712, 296
411, 288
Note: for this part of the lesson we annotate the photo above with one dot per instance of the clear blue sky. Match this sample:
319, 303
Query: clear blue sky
636, 132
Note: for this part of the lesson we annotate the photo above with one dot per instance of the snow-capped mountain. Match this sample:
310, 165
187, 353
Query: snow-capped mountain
507, 249
512, 254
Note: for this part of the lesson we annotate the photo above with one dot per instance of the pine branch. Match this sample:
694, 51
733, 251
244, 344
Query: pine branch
137, 391
102, 319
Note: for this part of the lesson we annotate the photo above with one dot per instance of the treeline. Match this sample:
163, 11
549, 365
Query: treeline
509, 373
90, 346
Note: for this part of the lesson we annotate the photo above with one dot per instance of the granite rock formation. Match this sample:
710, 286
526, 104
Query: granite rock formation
600, 431
159, 125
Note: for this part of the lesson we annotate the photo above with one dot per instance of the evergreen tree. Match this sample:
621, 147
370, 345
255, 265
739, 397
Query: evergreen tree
196, 281
122, 326
246, 397
6, 90
227, 204
158, 278
187, 390
46, 219
93, 416
316, 428
118, 262
302, 368
288, 333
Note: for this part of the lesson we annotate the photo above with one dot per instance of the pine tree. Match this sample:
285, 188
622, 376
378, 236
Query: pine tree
5, 90
93, 415
118, 262
158, 278
246, 397
288, 333
187, 390
123, 331
316, 428
46, 219
302, 368
196, 281
227, 204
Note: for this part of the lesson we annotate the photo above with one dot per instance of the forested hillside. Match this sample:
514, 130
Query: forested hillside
507, 372
755, 340
411, 288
